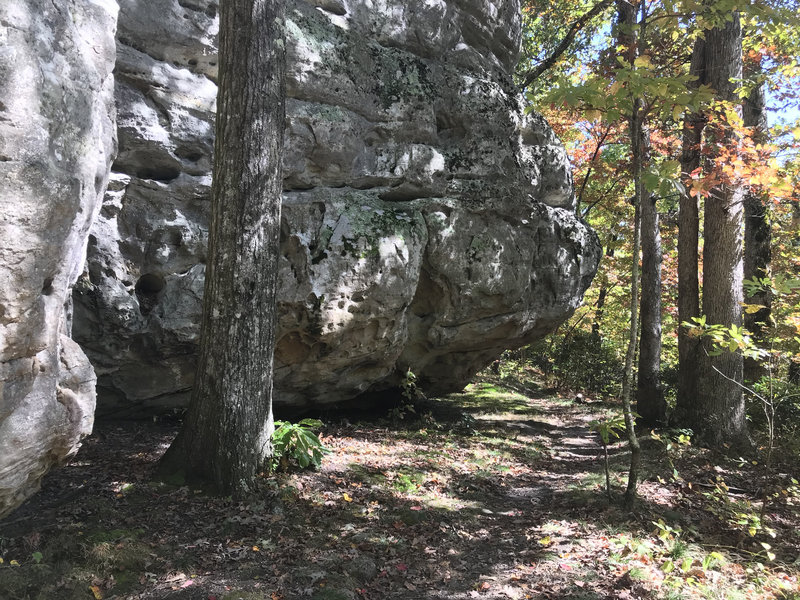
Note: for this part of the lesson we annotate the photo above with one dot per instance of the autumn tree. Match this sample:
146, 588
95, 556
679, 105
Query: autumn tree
650, 403
686, 91
225, 438
688, 244
757, 228
628, 35
718, 412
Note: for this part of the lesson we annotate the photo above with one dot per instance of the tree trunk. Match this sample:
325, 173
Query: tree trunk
626, 39
627, 377
599, 310
225, 439
650, 402
720, 416
757, 235
688, 240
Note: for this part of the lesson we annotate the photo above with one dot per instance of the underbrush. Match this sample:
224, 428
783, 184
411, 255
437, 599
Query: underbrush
580, 361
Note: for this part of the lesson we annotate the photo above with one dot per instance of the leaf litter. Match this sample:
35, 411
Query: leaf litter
511, 506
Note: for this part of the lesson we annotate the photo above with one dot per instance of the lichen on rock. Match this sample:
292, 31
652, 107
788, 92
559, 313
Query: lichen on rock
427, 224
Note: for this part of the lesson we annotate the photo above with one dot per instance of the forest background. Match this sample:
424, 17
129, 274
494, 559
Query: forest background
598, 71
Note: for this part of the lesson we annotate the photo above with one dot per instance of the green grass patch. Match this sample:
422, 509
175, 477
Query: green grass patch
485, 398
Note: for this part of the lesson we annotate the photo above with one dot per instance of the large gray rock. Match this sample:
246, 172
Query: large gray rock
56, 145
426, 223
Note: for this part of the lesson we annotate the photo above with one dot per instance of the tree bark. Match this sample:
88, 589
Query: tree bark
225, 439
650, 402
688, 241
757, 234
599, 310
627, 377
719, 417
626, 38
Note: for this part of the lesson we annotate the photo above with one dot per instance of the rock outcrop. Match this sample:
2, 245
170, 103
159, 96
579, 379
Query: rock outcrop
426, 223
56, 144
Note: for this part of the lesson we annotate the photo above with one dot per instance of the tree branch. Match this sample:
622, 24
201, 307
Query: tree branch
565, 43
591, 160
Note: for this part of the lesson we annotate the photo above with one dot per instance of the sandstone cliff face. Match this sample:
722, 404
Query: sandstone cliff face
56, 144
426, 223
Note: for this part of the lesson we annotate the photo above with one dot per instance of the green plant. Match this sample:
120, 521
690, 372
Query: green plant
606, 428
774, 349
408, 481
409, 386
411, 394
673, 438
583, 361
738, 515
399, 412
296, 444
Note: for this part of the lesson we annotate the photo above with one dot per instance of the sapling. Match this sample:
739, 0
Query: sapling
606, 428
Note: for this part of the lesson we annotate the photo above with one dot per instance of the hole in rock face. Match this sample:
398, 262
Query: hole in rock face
147, 290
159, 173
47, 286
189, 153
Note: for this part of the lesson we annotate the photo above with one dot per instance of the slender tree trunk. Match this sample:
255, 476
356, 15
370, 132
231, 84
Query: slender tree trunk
627, 377
599, 310
225, 439
650, 402
688, 241
757, 234
720, 415
626, 37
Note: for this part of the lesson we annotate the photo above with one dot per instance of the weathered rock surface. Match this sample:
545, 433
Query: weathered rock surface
426, 223
56, 145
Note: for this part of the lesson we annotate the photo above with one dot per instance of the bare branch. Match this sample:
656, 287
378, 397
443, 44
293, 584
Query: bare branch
565, 43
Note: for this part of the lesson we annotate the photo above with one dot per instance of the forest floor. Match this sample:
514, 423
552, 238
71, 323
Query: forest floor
497, 493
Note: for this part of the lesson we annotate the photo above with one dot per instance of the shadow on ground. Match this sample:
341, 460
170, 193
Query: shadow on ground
507, 503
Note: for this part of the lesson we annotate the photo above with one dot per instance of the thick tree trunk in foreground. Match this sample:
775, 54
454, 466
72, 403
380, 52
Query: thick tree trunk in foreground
650, 402
688, 240
757, 234
226, 437
719, 416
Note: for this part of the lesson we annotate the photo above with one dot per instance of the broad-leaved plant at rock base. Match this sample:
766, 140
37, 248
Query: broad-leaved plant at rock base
297, 445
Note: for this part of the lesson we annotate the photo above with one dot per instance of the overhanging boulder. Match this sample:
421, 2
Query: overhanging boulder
426, 223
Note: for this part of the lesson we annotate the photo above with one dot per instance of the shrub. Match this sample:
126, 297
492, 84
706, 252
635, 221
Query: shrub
296, 445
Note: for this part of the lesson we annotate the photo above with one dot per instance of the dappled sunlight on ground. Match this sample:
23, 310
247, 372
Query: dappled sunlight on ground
486, 494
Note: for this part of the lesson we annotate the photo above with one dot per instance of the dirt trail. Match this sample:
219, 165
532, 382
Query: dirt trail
496, 494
